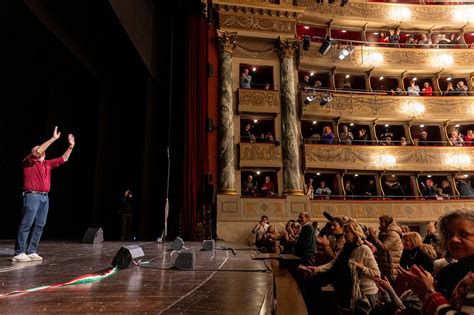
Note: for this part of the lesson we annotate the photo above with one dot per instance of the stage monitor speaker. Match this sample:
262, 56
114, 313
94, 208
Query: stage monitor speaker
208, 245
126, 254
93, 236
177, 244
184, 259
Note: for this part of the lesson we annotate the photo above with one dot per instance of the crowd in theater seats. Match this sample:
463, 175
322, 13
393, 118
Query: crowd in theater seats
389, 271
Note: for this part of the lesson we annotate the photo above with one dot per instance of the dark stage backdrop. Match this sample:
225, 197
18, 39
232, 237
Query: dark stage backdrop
75, 66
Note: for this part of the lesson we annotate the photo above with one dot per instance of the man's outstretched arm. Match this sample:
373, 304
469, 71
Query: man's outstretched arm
42, 148
68, 152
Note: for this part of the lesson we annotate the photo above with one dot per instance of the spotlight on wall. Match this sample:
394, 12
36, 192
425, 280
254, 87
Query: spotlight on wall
314, 122
254, 69
306, 42
311, 74
381, 78
457, 125
348, 76
306, 27
421, 126
346, 52
448, 79
325, 46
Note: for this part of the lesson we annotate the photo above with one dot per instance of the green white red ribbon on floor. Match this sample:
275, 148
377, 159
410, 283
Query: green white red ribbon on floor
82, 279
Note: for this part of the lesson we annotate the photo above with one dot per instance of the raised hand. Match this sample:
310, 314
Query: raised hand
56, 133
71, 140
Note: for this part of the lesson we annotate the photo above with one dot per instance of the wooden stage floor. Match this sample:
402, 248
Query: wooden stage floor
222, 283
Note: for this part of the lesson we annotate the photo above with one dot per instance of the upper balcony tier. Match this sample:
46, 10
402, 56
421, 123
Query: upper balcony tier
362, 13
369, 106
391, 60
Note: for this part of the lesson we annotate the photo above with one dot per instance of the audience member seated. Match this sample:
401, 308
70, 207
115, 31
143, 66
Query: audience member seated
383, 39
413, 254
454, 40
443, 42
349, 189
464, 188
248, 188
413, 89
346, 85
370, 190
452, 289
290, 235
346, 135
449, 90
461, 89
389, 246
424, 42
411, 42
314, 139
445, 191
468, 138
398, 92
305, 83
423, 141
323, 191
456, 139
267, 87
427, 89
393, 189
387, 141
428, 190
362, 137
328, 136
259, 230
268, 190
318, 84
333, 244
245, 80
403, 142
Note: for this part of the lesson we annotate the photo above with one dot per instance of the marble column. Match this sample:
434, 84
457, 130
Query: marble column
226, 42
290, 125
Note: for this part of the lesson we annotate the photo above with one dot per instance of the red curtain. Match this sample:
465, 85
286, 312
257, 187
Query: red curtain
195, 115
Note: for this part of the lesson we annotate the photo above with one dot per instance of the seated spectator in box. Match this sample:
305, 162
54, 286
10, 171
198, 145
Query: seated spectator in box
393, 188
248, 188
346, 85
318, 84
349, 189
387, 141
245, 80
398, 92
456, 139
468, 139
449, 90
328, 136
443, 42
413, 89
423, 141
383, 39
322, 190
346, 135
370, 189
427, 89
428, 190
445, 191
246, 135
464, 188
362, 138
461, 89
314, 139
267, 188
267, 87
454, 40
403, 142
305, 83
424, 42
411, 42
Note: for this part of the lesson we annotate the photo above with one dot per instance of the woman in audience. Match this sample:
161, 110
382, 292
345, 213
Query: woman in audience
468, 138
413, 254
327, 136
334, 243
403, 141
455, 139
362, 137
413, 89
352, 273
424, 42
394, 38
346, 135
259, 230
383, 40
389, 246
427, 89
461, 89
449, 90
452, 290
411, 42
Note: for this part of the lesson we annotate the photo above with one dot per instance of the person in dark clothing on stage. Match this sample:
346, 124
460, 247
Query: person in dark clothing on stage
126, 210
305, 246
37, 182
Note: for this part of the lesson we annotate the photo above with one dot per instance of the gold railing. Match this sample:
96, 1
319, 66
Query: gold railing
260, 155
259, 101
372, 106
391, 58
389, 158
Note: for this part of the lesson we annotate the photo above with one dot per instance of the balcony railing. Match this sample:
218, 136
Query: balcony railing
381, 158
258, 101
260, 155
373, 105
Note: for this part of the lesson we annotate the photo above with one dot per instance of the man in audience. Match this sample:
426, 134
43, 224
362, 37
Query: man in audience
248, 189
465, 189
305, 246
461, 89
456, 139
245, 79
424, 42
305, 83
246, 134
371, 189
423, 141
268, 190
428, 190
323, 190
445, 191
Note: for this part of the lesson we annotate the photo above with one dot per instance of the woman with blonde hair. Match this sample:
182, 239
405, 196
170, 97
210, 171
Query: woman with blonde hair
328, 136
413, 254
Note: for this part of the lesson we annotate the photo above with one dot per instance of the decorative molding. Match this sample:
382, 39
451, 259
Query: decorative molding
396, 158
256, 207
260, 155
287, 47
372, 106
226, 41
366, 57
259, 101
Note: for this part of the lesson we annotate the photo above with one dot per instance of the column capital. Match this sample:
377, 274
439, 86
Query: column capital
227, 41
287, 46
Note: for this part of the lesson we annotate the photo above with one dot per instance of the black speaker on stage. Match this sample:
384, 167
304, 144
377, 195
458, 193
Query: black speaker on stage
126, 254
177, 244
93, 236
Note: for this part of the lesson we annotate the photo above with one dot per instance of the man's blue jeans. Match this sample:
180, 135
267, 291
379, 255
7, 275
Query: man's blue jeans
34, 214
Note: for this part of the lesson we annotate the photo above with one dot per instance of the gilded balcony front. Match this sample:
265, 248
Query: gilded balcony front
392, 59
389, 158
260, 155
258, 101
370, 106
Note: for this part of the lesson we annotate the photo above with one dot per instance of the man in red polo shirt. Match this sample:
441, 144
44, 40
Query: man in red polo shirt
37, 182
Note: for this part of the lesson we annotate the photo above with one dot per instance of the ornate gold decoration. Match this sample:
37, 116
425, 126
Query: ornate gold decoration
256, 207
294, 192
227, 41
380, 106
260, 155
259, 101
257, 50
250, 22
228, 192
287, 47
397, 158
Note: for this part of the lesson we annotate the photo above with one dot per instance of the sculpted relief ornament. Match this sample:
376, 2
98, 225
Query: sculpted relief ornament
256, 23
287, 47
227, 41
259, 99
260, 152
